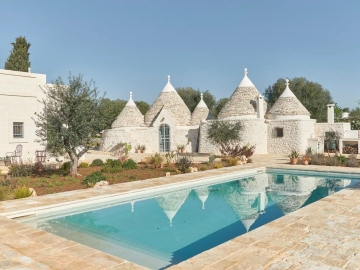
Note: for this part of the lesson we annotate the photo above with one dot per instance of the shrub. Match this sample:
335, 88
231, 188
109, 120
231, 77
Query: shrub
83, 165
112, 166
183, 163
20, 169
351, 162
233, 161
169, 157
129, 164
317, 159
38, 166
3, 193
202, 168
93, 178
237, 150
157, 160
250, 160
218, 165
212, 159
97, 162
66, 166
341, 159
331, 161
22, 192
132, 178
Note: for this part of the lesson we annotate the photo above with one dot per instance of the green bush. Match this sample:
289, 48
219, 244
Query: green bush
212, 159
157, 160
341, 159
202, 168
66, 166
331, 161
233, 161
3, 193
183, 163
93, 178
22, 192
112, 166
97, 162
351, 162
129, 164
218, 165
21, 169
83, 165
132, 178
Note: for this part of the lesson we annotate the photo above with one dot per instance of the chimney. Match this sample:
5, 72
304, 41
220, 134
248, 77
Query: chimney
260, 106
330, 113
29, 69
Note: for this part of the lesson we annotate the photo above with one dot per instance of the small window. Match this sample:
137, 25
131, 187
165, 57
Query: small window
279, 132
18, 129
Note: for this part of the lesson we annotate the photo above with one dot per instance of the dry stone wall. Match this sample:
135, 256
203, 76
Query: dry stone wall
241, 102
340, 128
295, 135
254, 132
174, 104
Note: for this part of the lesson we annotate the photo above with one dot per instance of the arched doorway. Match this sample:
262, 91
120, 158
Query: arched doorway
164, 138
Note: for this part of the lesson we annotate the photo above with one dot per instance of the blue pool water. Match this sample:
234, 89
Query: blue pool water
169, 228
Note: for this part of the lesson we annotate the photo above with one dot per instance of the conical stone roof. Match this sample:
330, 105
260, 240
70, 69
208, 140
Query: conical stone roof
130, 116
242, 103
170, 100
201, 112
289, 203
288, 106
203, 194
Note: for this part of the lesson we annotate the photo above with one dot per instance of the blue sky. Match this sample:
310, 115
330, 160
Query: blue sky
133, 45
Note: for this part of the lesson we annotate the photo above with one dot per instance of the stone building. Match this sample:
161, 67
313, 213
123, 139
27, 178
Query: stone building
169, 123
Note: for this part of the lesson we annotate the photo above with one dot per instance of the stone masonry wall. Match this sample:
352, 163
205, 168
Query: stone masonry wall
295, 135
321, 128
199, 114
254, 132
174, 104
288, 106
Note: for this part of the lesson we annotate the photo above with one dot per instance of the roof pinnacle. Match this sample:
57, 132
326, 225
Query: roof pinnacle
287, 82
130, 95
168, 78
201, 96
245, 71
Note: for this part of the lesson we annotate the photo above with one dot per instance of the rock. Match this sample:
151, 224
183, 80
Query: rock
144, 160
167, 174
33, 192
101, 184
240, 162
193, 169
243, 159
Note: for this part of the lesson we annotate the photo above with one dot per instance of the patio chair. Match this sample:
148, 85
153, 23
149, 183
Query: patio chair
16, 154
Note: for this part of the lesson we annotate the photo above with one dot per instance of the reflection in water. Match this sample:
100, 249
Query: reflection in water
171, 202
232, 208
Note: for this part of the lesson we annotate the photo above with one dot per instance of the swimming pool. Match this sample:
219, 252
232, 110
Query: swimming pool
167, 228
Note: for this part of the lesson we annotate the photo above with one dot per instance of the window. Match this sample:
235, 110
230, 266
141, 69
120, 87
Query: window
164, 138
279, 132
18, 129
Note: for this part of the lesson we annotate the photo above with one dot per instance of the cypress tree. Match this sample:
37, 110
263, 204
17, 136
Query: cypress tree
19, 56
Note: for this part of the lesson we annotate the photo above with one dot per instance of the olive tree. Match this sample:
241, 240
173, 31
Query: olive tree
70, 118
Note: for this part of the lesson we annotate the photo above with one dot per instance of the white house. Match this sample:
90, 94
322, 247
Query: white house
19, 95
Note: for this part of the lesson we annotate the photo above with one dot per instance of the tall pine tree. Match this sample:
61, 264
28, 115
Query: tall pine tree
19, 56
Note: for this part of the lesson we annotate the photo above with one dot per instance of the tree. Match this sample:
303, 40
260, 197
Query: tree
19, 56
70, 118
143, 106
311, 94
219, 105
110, 109
338, 113
191, 97
354, 117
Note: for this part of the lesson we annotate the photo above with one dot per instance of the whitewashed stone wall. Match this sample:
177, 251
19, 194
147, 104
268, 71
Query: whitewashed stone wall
254, 132
296, 134
321, 128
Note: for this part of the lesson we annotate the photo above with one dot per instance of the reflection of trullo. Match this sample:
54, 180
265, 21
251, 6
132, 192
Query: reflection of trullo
203, 194
248, 199
132, 206
171, 202
332, 183
290, 192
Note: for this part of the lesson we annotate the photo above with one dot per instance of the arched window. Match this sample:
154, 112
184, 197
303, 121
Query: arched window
164, 138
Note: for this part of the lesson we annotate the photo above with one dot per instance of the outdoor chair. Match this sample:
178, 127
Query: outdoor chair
16, 154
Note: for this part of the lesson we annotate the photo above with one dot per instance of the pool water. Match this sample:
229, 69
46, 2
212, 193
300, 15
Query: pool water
164, 230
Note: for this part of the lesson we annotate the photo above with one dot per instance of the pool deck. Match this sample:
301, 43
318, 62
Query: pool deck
322, 235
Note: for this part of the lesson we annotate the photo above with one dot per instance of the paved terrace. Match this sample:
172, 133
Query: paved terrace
323, 235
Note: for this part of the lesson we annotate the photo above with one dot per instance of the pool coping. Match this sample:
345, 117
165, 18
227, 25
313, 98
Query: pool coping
197, 262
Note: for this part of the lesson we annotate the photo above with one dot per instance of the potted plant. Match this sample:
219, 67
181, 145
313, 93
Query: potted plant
137, 148
142, 148
305, 160
294, 157
181, 148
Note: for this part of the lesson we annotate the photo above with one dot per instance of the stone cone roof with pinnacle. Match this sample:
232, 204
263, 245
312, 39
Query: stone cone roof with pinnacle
287, 105
172, 102
130, 116
171, 202
242, 103
201, 112
289, 203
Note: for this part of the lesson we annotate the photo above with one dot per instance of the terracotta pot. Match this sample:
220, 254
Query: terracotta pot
141, 151
305, 162
293, 161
